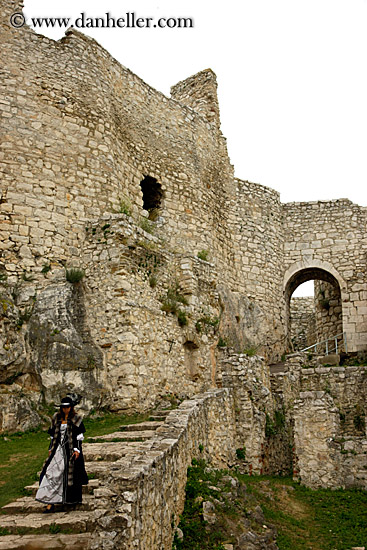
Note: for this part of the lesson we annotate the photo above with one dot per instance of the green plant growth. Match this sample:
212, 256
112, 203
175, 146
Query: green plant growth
203, 255
74, 275
198, 535
124, 207
5, 303
274, 425
147, 225
182, 318
354, 361
241, 453
250, 351
321, 519
205, 323
153, 281
171, 301
222, 343
46, 268
3, 276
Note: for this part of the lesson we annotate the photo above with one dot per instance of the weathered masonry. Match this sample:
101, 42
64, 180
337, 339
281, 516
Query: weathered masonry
130, 254
85, 140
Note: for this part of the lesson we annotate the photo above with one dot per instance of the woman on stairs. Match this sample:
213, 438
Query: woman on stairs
63, 473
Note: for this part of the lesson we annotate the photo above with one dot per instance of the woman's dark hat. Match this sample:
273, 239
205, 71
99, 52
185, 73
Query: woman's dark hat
70, 400
66, 402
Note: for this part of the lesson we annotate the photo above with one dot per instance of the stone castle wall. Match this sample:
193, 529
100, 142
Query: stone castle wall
259, 257
327, 240
102, 173
87, 132
326, 406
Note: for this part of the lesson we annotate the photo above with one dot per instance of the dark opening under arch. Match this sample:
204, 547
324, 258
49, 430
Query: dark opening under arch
318, 319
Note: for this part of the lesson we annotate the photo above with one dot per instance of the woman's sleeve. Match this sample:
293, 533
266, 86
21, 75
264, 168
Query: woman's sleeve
51, 431
79, 436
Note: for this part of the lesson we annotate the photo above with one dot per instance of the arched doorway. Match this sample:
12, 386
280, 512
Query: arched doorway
316, 318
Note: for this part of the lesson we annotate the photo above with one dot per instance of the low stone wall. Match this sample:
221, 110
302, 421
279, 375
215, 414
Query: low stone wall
146, 499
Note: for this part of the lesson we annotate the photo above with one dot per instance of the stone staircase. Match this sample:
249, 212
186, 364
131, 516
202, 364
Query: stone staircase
24, 525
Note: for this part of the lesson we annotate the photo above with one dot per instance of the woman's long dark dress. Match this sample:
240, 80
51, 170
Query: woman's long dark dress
62, 476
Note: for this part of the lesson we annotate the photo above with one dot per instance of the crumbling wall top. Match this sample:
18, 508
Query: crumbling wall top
200, 93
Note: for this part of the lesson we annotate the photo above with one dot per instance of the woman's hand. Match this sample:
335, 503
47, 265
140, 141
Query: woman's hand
75, 455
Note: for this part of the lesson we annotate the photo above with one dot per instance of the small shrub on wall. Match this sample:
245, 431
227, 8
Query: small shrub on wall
74, 274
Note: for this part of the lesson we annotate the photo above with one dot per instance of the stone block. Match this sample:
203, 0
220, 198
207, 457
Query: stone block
331, 359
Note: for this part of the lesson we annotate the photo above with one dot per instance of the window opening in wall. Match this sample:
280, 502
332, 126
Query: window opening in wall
152, 196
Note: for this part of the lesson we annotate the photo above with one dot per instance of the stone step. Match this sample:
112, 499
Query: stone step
73, 521
123, 437
80, 541
161, 414
87, 489
157, 418
27, 505
142, 426
103, 452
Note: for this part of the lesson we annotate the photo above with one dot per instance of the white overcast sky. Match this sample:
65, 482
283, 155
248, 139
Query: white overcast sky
292, 80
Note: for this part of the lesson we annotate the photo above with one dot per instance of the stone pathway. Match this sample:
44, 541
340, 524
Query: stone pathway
27, 528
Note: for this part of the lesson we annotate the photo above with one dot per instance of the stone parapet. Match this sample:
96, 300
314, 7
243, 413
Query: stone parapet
150, 491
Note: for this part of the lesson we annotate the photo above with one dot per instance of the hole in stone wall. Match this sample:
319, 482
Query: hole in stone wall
152, 196
190, 346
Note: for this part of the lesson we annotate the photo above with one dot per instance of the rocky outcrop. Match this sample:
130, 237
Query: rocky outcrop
62, 352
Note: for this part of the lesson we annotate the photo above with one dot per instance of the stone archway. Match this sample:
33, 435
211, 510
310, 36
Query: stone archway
327, 302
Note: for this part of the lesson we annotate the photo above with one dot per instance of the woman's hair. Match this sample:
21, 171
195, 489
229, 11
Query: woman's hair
71, 413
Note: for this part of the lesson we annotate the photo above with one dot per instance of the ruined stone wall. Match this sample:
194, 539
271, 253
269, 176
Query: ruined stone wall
325, 457
327, 407
330, 237
141, 324
132, 280
149, 494
249, 381
81, 132
302, 322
